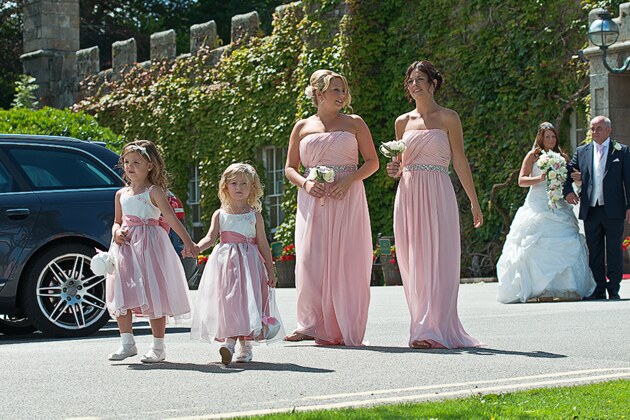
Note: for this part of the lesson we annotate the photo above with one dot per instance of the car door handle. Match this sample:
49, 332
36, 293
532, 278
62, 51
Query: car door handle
17, 214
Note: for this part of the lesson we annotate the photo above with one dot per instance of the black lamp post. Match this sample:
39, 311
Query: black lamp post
604, 32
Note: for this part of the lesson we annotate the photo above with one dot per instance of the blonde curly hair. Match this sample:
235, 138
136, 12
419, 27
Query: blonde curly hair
320, 81
249, 173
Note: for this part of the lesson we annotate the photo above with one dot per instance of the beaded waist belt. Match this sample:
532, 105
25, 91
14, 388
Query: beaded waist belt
342, 168
425, 167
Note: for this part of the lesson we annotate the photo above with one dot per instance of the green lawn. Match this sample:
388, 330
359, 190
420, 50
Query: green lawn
608, 400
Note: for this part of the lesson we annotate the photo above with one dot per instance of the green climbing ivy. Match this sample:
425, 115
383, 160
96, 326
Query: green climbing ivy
507, 64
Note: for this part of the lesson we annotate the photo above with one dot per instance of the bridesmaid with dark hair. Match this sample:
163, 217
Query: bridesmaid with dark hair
426, 217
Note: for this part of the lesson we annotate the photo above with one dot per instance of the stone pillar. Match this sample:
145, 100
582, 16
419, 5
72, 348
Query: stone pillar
203, 35
124, 56
51, 40
245, 26
163, 46
609, 91
88, 63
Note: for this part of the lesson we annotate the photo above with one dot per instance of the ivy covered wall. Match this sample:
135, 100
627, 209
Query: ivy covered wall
507, 65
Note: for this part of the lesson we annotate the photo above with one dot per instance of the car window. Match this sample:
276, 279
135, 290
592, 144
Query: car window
7, 183
59, 168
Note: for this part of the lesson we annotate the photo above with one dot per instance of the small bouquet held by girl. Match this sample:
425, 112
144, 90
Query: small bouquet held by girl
554, 166
321, 174
392, 149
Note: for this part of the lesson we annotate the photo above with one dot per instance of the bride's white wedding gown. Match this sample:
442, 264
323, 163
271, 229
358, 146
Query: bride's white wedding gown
544, 255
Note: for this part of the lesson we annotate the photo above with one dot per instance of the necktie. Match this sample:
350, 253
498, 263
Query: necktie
600, 151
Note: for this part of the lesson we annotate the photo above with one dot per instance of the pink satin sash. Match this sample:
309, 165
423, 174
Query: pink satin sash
230, 237
129, 220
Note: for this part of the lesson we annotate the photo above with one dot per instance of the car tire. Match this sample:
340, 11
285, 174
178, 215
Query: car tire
15, 325
62, 297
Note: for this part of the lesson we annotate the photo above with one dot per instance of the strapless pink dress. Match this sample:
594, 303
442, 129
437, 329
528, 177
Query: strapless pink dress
426, 230
333, 244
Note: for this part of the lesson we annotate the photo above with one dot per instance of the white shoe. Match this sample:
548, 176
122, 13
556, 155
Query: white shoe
245, 353
226, 351
154, 356
123, 352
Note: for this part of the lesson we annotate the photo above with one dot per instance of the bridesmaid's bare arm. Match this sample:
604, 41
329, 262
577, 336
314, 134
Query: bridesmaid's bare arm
368, 152
460, 162
292, 167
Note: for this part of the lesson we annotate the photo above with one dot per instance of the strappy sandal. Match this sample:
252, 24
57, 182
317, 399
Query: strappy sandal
296, 336
421, 344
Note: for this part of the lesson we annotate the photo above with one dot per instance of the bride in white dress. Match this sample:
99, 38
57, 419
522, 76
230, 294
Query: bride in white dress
545, 256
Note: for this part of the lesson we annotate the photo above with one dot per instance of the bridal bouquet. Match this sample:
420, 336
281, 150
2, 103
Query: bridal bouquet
321, 174
555, 166
392, 149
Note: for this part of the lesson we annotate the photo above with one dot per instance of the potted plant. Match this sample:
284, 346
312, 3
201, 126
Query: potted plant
285, 267
389, 264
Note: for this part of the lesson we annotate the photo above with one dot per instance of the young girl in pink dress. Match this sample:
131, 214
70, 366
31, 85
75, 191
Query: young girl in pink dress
148, 278
233, 301
426, 218
333, 240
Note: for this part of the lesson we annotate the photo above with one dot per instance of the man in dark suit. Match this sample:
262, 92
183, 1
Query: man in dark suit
604, 165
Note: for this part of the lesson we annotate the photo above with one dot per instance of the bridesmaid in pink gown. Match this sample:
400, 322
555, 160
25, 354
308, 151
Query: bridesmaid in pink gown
426, 218
333, 240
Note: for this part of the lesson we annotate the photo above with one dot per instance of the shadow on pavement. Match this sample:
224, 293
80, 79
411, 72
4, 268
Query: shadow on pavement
140, 328
232, 368
480, 351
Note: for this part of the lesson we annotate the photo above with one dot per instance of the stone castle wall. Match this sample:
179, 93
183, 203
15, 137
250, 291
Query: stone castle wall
52, 54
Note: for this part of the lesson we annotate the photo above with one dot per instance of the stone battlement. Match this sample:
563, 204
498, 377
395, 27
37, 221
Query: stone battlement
52, 55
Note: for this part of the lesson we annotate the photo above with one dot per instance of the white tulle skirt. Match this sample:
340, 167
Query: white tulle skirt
149, 279
233, 298
545, 255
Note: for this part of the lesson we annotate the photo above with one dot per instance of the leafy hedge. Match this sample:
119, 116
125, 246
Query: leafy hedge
507, 64
56, 122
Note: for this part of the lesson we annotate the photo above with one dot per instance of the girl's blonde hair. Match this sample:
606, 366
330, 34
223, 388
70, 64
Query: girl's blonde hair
320, 81
249, 173
147, 149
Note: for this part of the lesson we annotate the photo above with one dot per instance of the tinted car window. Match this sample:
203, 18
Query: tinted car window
7, 183
59, 168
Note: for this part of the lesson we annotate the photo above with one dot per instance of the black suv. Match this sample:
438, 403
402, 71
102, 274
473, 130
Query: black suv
56, 206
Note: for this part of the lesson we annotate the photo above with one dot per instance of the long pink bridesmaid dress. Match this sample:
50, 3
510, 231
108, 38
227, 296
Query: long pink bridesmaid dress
333, 246
426, 230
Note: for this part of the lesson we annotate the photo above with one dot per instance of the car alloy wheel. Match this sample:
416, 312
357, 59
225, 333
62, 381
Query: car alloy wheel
63, 297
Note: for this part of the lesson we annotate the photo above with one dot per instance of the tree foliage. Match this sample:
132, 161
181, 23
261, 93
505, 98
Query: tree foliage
10, 49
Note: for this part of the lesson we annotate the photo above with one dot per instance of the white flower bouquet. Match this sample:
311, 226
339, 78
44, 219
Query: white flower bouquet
321, 174
103, 263
555, 167
392, 149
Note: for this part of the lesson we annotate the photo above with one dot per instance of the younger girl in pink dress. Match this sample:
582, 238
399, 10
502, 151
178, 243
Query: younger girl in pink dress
233, 300
149, 278
333, 240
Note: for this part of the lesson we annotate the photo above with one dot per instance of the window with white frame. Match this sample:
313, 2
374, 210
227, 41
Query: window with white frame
273, 159
579, 129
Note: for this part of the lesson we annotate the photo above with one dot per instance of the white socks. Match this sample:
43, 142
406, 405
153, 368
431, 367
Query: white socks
158, 343
127, 339
126, 349
156, 353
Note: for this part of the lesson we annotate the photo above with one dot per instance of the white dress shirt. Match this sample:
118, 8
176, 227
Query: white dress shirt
599, 170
